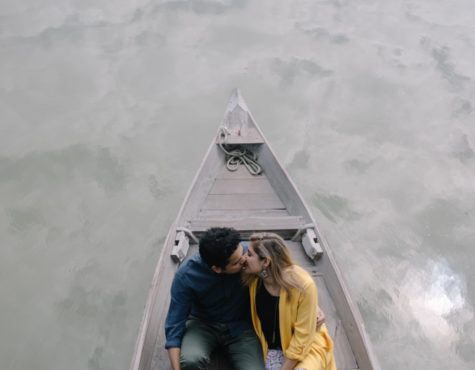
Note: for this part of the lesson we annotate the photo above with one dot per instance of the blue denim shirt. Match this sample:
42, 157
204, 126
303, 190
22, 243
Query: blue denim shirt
200, 292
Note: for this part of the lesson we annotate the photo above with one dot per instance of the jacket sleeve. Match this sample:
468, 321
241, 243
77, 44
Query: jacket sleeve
305, 322
178, 311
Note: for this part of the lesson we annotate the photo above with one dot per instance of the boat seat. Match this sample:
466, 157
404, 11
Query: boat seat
248, 223
252, 138
286, 226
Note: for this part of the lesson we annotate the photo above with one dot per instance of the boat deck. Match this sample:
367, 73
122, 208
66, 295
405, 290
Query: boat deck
246, 202
250, 203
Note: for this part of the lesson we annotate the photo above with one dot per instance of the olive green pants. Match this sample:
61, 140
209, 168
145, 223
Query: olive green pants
201, 339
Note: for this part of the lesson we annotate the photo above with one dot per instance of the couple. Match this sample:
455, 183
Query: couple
214, 293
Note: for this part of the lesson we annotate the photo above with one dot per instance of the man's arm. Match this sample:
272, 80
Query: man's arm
320, 318
178, 311
174, 356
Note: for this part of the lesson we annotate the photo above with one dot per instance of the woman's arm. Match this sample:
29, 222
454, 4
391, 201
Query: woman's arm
305, 322
289, 364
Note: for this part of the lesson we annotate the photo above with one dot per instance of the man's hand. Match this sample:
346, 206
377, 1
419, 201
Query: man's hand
174, 355
320, 318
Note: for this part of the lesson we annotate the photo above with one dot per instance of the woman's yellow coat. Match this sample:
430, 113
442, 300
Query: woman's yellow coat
297, 321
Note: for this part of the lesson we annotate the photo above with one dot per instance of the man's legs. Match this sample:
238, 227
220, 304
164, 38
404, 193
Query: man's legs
245, 351
198, 342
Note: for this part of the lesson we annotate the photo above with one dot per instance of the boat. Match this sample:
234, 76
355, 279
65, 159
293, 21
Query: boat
241, 184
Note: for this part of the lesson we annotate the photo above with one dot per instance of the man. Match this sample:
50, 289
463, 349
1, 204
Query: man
209, 307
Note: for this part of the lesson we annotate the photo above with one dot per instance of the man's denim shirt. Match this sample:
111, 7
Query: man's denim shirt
200, 292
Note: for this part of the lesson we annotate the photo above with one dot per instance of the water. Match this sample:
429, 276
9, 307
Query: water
106, 109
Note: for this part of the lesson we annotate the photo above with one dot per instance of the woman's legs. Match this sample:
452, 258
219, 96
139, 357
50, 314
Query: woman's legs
275, 359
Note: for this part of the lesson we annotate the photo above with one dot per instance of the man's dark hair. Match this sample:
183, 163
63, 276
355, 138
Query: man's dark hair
217, 245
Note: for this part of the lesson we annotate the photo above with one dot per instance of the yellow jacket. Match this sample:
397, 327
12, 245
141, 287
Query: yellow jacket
297, 321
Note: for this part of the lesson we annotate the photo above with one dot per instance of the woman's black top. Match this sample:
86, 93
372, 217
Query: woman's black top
268, 312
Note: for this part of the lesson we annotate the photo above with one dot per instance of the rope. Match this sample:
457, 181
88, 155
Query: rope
238, 156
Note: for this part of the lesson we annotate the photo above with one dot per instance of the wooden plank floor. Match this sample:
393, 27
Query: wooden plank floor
245, 202
239, 190
252, 185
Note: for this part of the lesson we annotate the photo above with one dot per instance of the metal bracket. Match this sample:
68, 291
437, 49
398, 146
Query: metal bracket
180, 249
182, 244
310, 242
312, 245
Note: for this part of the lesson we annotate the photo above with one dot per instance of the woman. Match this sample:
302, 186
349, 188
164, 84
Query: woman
283, 308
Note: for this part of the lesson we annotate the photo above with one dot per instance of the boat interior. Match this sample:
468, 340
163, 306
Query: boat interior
249, 203
238, 190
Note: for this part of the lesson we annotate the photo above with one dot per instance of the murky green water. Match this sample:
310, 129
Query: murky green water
107, 107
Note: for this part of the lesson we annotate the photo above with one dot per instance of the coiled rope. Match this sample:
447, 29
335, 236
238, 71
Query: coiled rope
239, 155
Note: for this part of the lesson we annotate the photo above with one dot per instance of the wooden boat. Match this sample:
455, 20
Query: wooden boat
265, 202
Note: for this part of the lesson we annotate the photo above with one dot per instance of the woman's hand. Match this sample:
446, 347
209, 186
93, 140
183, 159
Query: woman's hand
289, 364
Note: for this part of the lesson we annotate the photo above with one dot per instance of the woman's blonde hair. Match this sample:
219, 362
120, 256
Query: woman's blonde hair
272, 247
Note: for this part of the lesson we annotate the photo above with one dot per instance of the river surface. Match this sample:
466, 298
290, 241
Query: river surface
107, 107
